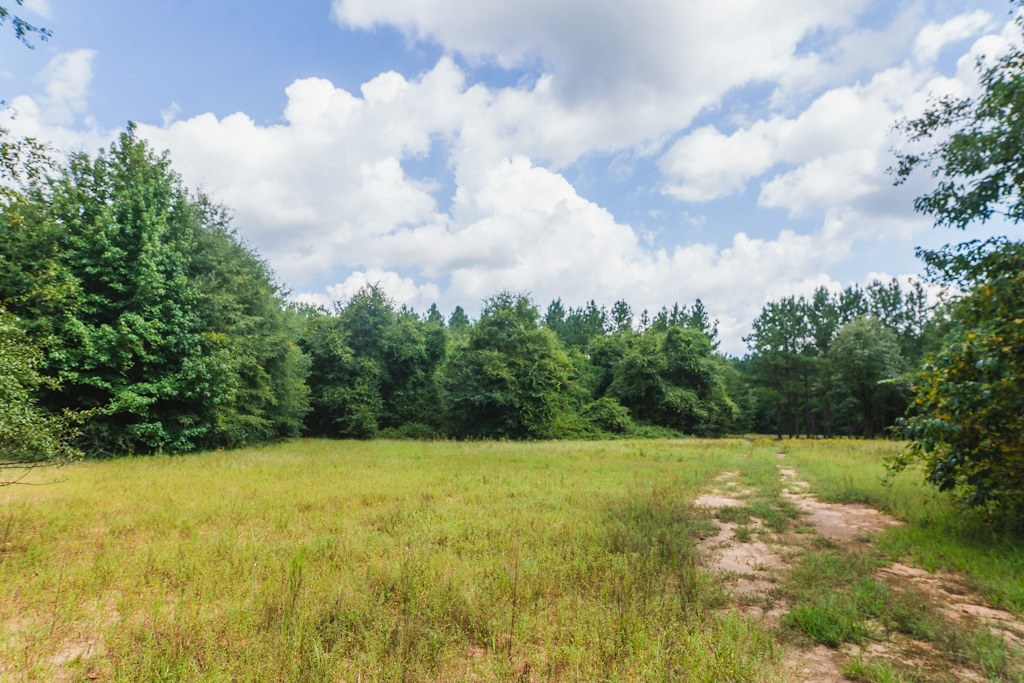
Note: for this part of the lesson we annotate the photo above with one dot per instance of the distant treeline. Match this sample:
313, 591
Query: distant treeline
162, 332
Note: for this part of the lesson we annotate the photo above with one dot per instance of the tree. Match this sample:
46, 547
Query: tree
373, 368
866, 359
159, 323
779, 357
459, 321
29, 436
967, 429
622, 317
670, 378
433, 316
511, 378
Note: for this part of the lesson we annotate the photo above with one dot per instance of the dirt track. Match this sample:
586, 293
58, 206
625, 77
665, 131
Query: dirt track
751, 561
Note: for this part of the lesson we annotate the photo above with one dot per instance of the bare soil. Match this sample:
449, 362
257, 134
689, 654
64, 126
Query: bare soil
750, 572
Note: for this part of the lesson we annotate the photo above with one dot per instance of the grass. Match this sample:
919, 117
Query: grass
877, 671
836, 596
936, 536
326, 561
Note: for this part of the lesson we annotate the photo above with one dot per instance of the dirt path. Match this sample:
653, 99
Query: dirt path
751, 560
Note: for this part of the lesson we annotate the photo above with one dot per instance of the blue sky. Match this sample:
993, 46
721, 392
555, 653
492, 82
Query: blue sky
654, 152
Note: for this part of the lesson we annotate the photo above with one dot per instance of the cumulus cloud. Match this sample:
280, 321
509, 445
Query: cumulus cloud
835, 152
709, 165
619, 73
934, 37
66, 80
326, 194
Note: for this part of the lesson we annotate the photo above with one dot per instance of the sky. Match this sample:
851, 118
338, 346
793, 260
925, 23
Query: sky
655, 151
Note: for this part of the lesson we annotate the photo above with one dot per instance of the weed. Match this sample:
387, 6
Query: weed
877, 671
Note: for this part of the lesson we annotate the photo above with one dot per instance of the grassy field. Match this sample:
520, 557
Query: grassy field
362, 561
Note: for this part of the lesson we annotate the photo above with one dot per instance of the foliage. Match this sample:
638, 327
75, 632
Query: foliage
373, 368
511, 378
670, 378
802, 382
29, 436
161, 325
968, 430
245, 323
606, 415
866, 358
22, 29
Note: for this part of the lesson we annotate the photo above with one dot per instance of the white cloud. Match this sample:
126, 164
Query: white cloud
615, 74
66, 80
59, 114
40, 7
836, 151
326, 191
709, 165
934, 37
402, 290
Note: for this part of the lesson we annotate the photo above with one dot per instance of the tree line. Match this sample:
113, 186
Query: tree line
158, 330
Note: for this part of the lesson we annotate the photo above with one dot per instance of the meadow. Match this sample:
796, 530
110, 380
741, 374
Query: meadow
321, 560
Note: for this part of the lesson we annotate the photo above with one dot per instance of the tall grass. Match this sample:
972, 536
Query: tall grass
326, 561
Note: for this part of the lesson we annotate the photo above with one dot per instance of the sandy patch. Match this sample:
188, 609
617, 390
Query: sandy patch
819, 665
845, 523
746, 569
957, 601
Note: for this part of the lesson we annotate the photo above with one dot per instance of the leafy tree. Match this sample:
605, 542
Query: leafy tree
968, 426
867, 362
373, 368
433, 316
967, 430
160, 324
583, 325
29, 435
622, 317
554, 318
510, 378
247, 324
671, 378
459, 321
780, 358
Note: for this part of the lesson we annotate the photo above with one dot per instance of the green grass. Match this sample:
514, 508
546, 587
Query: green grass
326, 561
936, 536
877, 671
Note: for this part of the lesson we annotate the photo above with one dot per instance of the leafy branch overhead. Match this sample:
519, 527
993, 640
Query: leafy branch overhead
22, 29
967, 427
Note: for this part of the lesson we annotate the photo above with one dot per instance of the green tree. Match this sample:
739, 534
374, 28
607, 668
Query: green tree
866, 358
671, 378
459, 321
246, 323
622, 317
29, 435
510, 378
160, 325
373, 368
780, 358
967, 429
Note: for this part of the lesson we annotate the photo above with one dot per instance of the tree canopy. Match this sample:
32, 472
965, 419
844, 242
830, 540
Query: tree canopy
967, 430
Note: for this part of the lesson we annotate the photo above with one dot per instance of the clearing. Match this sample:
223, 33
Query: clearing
688, 560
